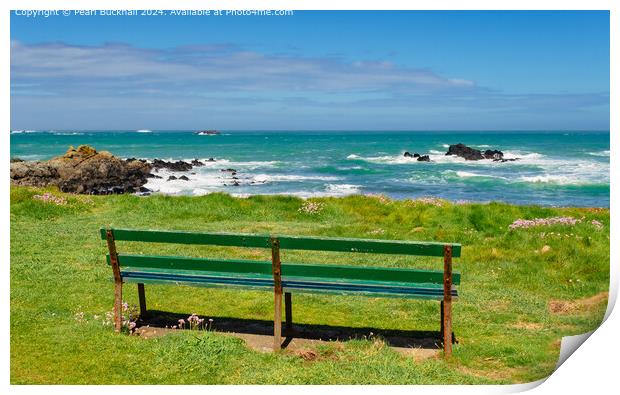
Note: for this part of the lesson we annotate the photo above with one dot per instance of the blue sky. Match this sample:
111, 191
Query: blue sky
314, 70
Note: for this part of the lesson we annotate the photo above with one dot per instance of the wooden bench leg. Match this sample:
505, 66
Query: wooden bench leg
142, 299
446, 319
118, 281
276, 267
288, 311
118, 306
277, 322
442, 317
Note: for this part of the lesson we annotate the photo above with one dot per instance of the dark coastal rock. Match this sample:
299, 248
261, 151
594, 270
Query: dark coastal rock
15, 160
493, 154
83, 170
421, 158
171, 178
174, 166
465, 152
473, 154
184, 178
197, 163
211, 160
232, 172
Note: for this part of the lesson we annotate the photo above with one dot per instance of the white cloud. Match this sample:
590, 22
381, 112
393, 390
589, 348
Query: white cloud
216, 67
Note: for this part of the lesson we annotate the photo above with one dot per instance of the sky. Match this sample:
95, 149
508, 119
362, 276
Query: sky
332, 70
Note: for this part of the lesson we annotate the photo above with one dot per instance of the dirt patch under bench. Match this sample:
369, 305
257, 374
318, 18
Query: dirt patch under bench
304, 339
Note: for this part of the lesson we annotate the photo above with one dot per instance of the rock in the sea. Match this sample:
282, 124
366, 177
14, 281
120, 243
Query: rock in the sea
465, 152
184, 178
473, 154
421, 158
174, 166
171, 178
83, 170
197, 163
493, 154
231, 171
15, 160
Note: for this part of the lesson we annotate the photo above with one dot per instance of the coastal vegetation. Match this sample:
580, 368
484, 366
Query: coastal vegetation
530, 275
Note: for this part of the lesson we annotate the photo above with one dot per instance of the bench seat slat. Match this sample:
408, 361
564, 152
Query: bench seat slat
429, 291
178, 237
335, 244
375, 246
322, 271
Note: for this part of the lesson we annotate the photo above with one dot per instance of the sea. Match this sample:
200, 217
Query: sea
554, 168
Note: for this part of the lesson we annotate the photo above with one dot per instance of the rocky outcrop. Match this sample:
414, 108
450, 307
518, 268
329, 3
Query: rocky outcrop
83, 170
465, 152
493, 154
473, 154
174, 166
420, 158
424, 158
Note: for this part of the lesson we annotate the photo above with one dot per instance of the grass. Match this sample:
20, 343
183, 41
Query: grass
506, 331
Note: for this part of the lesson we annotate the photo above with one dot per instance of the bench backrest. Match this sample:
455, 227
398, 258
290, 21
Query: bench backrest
334, 244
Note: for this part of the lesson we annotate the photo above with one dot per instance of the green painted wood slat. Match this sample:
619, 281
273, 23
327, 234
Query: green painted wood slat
326, 271
288, 242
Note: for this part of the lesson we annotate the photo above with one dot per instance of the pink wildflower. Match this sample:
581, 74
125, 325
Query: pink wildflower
529, 223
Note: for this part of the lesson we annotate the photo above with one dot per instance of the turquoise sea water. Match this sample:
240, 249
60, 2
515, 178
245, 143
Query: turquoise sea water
555, 168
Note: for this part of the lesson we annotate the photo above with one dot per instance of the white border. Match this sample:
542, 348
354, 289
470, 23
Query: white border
592, 368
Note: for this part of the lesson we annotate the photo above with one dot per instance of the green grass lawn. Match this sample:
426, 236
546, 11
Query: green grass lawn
506, 331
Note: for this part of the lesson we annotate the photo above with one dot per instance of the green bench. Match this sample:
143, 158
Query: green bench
285, 278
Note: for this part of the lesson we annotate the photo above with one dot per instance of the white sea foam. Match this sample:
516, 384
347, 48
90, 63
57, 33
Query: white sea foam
342, 189
467, 174
23, 131
144, 131
265, 178
600, 153
218, 163
550, 179
390, 160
